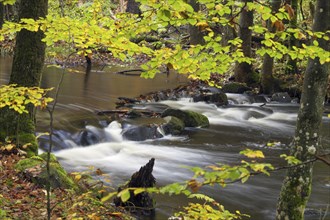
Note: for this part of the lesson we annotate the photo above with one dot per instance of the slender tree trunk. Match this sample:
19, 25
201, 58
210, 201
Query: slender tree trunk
243, 71
2, 14
296, 187
267, 79
226, 31
291, 65
28, 61
196, 36
133, 7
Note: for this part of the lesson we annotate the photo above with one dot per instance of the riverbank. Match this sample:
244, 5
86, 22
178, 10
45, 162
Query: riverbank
22, 199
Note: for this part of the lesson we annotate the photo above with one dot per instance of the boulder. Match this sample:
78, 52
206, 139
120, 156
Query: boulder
235, 87
173, 125
86, 137
189, 118
141, 132
34, 169
282, 97
218, 98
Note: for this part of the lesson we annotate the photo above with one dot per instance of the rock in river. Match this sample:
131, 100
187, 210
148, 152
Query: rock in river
189, 118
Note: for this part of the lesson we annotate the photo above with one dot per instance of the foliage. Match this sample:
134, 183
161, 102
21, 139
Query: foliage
7, 2
206, 211
290, 159
17, 98
93, 26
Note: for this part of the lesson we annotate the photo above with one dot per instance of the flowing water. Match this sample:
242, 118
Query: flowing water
240, 125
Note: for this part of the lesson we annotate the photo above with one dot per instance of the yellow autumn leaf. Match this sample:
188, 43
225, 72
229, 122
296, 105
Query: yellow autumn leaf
202, 24
9, 147
253, 153
77, 177
26, 145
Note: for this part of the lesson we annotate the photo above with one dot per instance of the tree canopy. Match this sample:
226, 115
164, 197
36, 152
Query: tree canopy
93, 25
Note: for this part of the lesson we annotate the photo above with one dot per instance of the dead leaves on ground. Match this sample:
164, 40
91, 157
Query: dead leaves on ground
21, 199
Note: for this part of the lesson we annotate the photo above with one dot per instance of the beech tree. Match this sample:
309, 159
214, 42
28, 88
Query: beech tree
267, 79
244, 70
291, 65
2, 14
29, 54
296, 187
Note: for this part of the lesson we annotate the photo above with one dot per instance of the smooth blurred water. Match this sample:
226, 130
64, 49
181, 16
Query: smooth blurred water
233, 128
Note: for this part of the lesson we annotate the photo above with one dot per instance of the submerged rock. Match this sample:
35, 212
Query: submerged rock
235, 87
189, 118
87, 137
141, 132
218, 98
282, 97
173, 125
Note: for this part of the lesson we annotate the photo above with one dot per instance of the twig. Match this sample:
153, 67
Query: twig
321, 158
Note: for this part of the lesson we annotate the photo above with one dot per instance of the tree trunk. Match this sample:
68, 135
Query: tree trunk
196, 36
133, 7
296, 187
243, 71
2, 14
226, 31
28, 61
291, 65
143, 203
267, 79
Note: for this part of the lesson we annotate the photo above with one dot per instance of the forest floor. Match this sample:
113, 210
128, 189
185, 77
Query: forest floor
24, 200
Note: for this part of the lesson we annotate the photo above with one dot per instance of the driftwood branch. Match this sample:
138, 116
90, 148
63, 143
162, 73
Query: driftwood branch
130, 72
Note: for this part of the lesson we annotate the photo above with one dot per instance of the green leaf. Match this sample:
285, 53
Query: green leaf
109, 196
124, 195
139, 190
290, 159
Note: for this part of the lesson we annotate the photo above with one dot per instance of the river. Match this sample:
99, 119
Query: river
232, 129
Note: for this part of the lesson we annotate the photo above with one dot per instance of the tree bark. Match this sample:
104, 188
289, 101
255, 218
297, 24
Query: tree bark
143, 201
243, 71
296, 187
196, 36
133, 7
267, 79
29, 53
2, 14
291, 65
226, 31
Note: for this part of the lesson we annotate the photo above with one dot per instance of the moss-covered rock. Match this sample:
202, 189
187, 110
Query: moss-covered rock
173, 125
189, 118
235, 87
28, 143
20, 129
219, 98
34, 168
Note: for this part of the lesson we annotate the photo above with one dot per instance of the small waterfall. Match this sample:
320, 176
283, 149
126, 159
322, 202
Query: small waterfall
113, 132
